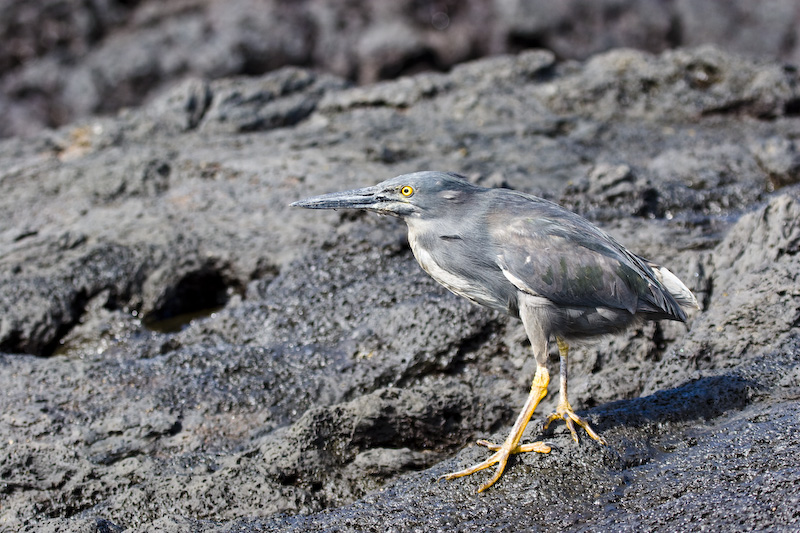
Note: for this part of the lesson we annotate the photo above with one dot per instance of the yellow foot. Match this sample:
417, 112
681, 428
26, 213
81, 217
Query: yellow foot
565, 413
500, 458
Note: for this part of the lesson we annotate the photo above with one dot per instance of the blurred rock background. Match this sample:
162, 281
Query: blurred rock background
65, 59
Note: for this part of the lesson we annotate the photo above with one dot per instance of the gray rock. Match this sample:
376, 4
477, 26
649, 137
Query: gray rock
182, 352
780, 158
62, 60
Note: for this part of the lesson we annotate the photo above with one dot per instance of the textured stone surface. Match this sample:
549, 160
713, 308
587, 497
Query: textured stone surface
182, 352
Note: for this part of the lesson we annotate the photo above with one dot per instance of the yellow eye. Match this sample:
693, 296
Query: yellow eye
407, 191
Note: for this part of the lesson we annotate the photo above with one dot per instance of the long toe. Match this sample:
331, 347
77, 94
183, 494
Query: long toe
571, 427
493, 459
538, 446
568, 415
499, 458
582, 422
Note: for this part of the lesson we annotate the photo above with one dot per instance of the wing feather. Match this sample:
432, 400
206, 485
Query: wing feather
549, 251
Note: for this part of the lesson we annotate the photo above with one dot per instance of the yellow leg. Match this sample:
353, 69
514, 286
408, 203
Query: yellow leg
511, 444
564, 409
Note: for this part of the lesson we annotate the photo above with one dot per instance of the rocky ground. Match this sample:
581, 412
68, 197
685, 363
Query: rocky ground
182, 352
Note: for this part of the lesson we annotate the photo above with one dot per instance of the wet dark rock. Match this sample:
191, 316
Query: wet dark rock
183, 352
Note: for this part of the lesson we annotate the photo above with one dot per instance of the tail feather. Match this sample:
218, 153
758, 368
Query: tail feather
674, 286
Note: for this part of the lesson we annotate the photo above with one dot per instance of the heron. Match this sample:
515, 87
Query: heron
530, 258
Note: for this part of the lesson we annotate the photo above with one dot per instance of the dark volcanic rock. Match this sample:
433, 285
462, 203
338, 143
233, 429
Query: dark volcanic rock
66, 59
182, 352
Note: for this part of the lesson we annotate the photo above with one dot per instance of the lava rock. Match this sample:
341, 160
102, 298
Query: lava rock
183, 352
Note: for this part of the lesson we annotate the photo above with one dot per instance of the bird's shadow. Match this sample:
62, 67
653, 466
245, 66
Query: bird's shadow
704, 398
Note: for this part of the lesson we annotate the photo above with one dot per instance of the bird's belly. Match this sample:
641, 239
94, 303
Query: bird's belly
578, 322
455, 283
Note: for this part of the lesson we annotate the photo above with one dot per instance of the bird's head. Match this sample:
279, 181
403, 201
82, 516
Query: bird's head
420, 194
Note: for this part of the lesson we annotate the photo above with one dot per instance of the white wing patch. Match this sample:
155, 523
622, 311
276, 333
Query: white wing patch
517, 282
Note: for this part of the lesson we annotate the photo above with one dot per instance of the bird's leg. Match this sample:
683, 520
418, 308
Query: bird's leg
511, 444
564, 409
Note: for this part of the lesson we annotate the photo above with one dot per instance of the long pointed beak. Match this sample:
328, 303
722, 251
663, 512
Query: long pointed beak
366, 198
